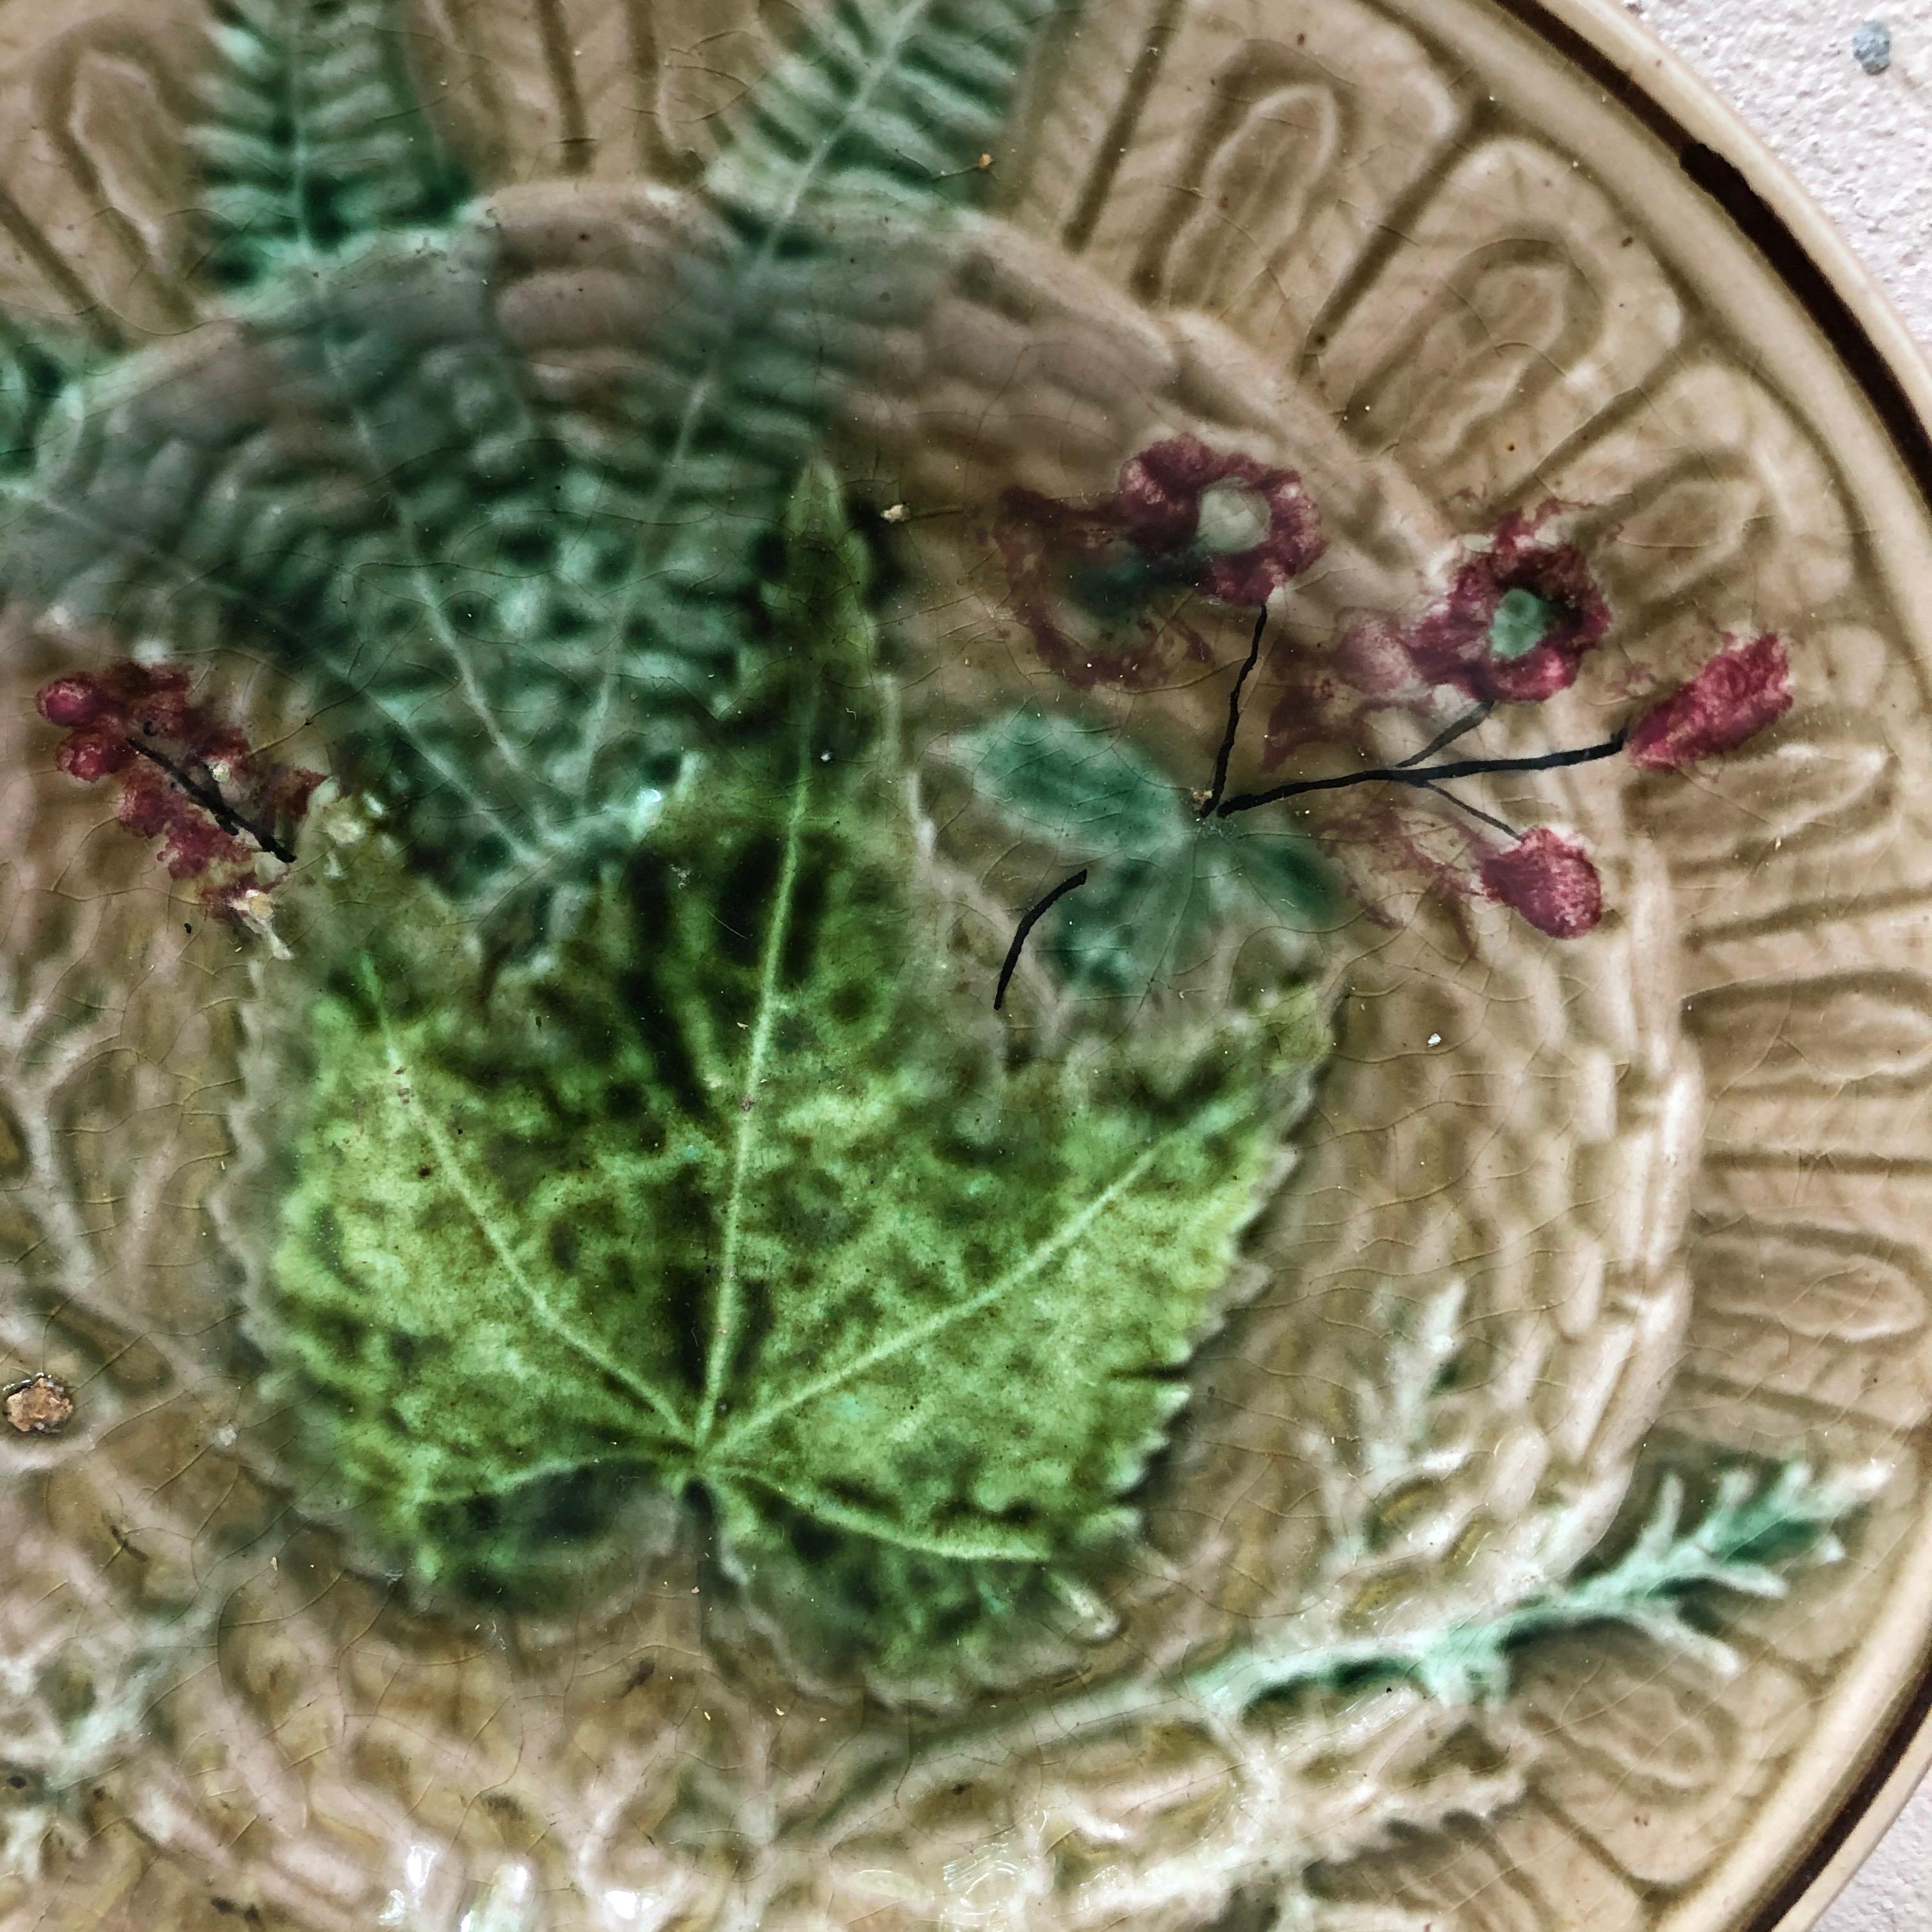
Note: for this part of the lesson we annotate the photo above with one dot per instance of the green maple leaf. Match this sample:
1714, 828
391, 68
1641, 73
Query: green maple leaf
746, 1197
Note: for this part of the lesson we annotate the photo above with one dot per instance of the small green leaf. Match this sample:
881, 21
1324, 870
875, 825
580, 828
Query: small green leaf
1163, 881
1075, 785
1283, 876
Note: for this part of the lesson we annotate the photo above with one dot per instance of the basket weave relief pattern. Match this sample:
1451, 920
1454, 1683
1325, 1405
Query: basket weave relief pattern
616, 472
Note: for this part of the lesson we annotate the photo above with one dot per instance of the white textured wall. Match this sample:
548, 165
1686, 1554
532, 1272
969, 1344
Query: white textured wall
1862, 144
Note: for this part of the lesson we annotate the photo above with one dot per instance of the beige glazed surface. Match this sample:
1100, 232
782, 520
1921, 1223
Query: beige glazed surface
1667, 1185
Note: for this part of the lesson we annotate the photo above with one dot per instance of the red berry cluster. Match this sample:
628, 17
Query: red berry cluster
186, 777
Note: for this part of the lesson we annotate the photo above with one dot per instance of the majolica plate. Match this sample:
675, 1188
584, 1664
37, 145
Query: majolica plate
964, 967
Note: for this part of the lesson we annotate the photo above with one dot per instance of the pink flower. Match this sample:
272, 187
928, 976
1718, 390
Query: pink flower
1519, 617
1745, 687
1183, 500
1550, 880
1097, 583
1517, 620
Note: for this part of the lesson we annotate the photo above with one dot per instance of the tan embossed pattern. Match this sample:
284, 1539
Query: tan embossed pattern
1679, 1173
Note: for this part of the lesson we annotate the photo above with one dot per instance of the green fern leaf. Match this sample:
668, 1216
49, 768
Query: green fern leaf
1758, 1526
891, 101
524, 635
396, 523
311, 135
827, 207
744, 1196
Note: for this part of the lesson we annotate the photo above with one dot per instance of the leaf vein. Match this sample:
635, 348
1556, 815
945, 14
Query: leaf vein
539, 1304
726, 1310
1067, 1236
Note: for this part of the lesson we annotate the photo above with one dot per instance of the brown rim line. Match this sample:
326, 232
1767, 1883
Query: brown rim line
1765, 203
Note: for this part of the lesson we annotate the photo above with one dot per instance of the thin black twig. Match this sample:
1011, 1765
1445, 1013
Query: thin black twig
1443, 739
208, 795
1428, 778
1026, 925
1489, 818
1212, 803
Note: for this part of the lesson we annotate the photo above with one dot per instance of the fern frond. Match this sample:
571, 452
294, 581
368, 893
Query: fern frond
1755, 1529
524, 636
822, 241
1752, 1533
891, 101
36, 367
311, 135
391, 523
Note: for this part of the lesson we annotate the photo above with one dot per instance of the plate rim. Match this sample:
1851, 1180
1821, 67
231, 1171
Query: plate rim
1724, 158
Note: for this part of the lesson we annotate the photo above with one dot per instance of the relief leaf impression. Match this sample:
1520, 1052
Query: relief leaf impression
663, 1141
815, 1229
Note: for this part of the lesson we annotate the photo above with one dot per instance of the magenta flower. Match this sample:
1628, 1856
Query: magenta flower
1518, 617
1520, 614
1097, 584
186, 778
1550, 880
1744, 688
1237, 529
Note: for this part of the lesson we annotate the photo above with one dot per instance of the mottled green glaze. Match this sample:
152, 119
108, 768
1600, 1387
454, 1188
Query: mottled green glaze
732, 1185
748, 1195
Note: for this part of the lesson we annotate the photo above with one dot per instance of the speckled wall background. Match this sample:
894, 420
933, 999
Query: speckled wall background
1843, 94
1861, 141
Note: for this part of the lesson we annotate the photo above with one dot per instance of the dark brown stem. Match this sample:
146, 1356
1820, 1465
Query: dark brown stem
1212, 803
1026, 925
1427, 778
208, 795
1461, 729
1475, 811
